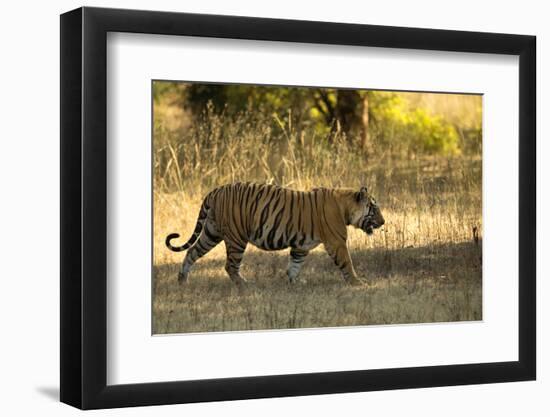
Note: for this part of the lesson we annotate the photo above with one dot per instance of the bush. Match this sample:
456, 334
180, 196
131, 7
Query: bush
400, 131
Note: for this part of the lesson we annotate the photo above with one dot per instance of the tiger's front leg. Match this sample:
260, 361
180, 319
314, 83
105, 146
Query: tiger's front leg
340, 254
297, 257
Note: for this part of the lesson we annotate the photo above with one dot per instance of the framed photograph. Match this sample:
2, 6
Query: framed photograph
256, 208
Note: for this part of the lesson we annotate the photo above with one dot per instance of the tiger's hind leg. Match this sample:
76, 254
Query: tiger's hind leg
297, 257
208, 239
235, 253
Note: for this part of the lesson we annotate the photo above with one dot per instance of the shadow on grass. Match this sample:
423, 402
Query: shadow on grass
436, 283
445, 261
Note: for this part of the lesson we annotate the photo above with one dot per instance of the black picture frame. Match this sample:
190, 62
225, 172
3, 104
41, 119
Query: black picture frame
84, 207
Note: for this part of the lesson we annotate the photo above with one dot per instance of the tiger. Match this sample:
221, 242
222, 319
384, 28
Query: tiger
271, 218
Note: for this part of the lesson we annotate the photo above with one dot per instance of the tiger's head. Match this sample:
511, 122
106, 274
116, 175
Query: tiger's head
365, 213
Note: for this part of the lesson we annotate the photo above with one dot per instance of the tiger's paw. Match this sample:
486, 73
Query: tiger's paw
355, 282
239, 281
182, 277
296, 281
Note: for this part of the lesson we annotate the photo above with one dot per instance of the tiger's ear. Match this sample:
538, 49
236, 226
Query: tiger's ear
362, 194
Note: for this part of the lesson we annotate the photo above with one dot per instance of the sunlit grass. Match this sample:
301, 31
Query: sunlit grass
422, 266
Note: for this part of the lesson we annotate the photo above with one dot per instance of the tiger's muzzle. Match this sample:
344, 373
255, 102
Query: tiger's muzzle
370, 223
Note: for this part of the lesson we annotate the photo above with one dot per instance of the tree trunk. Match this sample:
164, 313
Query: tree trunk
352, 115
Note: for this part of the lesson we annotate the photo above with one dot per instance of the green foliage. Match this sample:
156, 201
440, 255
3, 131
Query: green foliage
235, 99
399, 124
432, 133
162, 90
399, 130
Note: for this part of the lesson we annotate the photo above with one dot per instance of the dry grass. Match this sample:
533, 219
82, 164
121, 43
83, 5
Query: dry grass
424, 266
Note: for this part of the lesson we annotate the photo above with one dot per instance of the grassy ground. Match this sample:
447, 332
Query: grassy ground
423, 266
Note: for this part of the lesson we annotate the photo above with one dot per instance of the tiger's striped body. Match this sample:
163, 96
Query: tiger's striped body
275, 218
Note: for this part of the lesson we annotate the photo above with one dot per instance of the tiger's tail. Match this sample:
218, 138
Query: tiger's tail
203, 213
